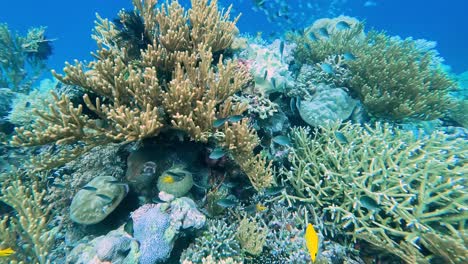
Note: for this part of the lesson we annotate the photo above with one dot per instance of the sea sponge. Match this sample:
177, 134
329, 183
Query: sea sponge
97, 200
176, 181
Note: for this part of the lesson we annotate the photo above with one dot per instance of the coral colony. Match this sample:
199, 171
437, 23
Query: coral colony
185, 141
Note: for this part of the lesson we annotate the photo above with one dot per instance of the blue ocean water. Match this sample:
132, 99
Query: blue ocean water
71, 23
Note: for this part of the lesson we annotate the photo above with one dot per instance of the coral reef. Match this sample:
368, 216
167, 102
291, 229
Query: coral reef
172, 81
97, 199
394, 79
22, 58
382, 185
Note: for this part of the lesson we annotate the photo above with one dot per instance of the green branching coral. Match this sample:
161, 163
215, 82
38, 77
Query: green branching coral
27, 230
395, 79
22, 58
382, 185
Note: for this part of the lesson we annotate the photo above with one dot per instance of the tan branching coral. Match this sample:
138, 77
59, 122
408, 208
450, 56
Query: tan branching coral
154, 71
383, 185
29, 224
241, 141
251, 236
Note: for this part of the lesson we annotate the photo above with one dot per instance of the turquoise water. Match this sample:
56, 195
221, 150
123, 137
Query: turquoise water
303, 132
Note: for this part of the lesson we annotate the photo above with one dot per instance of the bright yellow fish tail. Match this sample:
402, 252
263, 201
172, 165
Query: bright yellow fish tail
6, 252
312, 241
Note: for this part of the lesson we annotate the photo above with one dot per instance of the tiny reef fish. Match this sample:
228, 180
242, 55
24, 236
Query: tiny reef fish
312, 241
6, 252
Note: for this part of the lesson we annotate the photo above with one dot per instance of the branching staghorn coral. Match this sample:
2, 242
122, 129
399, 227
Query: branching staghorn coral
156, 69
395, 79
27, 230
22, 58
386, 187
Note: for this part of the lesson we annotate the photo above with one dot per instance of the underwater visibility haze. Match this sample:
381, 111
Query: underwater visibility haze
248, 131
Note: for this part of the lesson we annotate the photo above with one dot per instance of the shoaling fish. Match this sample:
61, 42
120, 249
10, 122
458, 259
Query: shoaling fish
6, 252
312, 241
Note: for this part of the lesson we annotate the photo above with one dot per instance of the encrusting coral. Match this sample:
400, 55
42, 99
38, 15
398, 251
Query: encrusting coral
394, 79
158, 69
383, 185
27, 230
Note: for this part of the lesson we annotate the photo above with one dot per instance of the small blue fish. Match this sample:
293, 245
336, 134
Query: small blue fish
282, 140
90, 188
229, 184
281, 47
273, 82
349, 56
104, 197
217, 153
370, 4
324, 32
342, 25
292, 105
311, 36
265, 75
219, 122
235, 118
369, 203
226, 203
327, 68
274, 190
341, 137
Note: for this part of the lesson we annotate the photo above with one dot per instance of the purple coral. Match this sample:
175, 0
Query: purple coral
149, 226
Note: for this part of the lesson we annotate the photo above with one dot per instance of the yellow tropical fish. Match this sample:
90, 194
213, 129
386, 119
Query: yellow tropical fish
168, 179
312, 241
6, 252
260, 207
